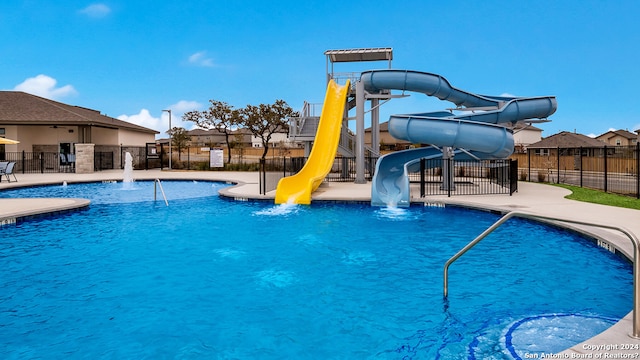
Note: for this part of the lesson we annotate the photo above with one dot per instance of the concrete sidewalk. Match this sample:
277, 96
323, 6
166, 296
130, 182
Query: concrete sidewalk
533, 198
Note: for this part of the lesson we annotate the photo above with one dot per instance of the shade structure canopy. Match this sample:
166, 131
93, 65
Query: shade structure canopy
6, 141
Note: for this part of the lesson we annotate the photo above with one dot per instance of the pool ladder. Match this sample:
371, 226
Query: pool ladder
156, 184
636, 256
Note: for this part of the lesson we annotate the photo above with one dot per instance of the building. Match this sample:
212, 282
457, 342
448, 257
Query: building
46, 126
525, 135
619, 138
573, 142
387, 142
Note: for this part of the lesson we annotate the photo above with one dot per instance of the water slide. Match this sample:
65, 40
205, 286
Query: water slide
479, 132
297, 189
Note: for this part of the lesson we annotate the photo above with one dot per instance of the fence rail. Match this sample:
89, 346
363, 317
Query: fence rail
471, 178
466, 177
614, 169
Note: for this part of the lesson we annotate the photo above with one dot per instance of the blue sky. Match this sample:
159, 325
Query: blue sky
132, 59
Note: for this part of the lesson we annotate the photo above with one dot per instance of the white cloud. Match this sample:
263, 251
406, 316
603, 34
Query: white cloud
200, 59
183, 106
96, 10
45, 86
144, 118
161, 123
507, 95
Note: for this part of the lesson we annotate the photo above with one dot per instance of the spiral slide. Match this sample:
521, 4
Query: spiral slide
297, 189
478, 133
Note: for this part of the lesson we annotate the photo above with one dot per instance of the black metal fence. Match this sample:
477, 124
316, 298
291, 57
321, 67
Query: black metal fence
469, 178
37, 162
53, 162
614, 169
342, 170
450, 177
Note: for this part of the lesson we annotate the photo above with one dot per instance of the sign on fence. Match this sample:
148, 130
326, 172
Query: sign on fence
216, 158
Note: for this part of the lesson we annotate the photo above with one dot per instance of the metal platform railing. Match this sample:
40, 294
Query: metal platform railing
634, 240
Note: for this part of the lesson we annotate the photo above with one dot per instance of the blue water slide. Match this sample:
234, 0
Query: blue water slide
479, 130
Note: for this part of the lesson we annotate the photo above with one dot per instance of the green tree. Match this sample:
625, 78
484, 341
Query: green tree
179, 138
265, 120
220, 116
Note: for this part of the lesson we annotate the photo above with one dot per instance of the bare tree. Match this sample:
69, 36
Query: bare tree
265, 120
221, 117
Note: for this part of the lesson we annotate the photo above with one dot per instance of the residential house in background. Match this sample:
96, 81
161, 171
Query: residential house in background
572, 142
387, 142
619, 138
525, 135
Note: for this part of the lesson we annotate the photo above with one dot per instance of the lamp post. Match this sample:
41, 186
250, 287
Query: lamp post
170, 137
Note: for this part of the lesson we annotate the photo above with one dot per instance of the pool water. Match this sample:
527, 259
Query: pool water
207, 277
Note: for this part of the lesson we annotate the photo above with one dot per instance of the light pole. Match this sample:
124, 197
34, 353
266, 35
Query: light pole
170, 137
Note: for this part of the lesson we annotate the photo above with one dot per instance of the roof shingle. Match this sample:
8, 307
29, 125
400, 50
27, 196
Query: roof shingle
20, 108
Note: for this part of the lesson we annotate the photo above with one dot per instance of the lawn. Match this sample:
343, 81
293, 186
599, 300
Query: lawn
599, 197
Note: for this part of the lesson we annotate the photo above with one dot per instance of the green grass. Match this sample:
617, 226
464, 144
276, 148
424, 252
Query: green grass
599, 197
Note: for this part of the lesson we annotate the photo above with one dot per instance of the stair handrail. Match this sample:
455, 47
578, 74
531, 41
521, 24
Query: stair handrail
156, 183
634, 240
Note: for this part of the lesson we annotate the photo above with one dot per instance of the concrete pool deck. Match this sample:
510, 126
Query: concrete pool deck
533, 198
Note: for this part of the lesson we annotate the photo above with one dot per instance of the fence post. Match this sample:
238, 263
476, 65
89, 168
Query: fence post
263, 179
606, 180
450, 176
558, 166
284, 166
513, 176
42, 163
581, 166
422, 192
161, 157
529, 165
24, 161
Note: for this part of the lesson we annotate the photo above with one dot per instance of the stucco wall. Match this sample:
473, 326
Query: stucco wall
134, 138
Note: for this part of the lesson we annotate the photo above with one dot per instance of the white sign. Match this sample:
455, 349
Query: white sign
216, 158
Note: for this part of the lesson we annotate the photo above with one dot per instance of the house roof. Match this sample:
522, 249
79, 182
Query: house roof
20, 108
566, 139
384, 127
523, 126
624, 133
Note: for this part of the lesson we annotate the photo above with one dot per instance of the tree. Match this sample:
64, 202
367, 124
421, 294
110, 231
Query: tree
179, 138
220, 116
265, 120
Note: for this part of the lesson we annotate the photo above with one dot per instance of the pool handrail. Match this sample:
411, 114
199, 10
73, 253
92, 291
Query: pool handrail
157, 181
634, 240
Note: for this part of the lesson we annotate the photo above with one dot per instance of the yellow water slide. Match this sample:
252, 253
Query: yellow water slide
297, 189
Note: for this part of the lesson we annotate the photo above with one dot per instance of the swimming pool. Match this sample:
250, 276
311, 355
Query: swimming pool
211, 278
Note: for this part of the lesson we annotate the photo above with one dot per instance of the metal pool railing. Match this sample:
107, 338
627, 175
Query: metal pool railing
156, 183
634, 240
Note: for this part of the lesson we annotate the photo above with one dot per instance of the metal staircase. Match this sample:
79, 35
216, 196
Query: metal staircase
304, 127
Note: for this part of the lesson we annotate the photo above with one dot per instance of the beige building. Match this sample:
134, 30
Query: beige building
525, 135
619, 138
387, 142
46, 126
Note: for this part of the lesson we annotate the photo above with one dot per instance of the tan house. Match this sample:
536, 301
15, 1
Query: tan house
619, 138
525, 135
571, 143
46, 126
387, 142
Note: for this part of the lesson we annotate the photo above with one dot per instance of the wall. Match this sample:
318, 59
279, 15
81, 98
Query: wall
134, 138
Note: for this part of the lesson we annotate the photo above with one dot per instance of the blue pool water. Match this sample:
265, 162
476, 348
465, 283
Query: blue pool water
209, 278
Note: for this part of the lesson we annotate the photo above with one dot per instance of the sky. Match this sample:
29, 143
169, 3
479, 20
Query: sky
132, 59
